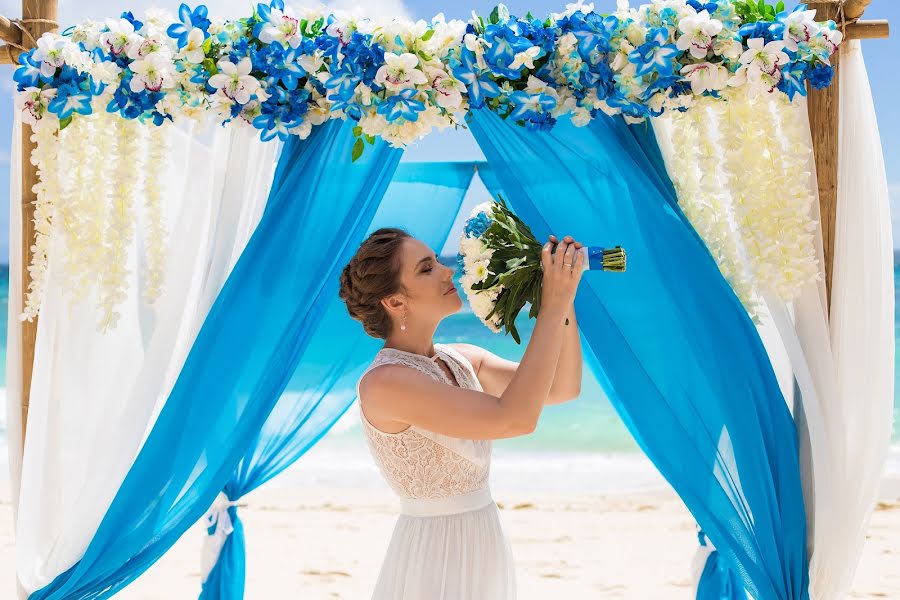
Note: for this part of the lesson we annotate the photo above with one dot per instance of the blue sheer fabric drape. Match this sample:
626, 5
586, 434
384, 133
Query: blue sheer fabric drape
424, 199
318, 211
678, 356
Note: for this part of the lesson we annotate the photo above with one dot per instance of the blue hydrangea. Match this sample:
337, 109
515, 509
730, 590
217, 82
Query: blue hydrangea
820, 76
478, 224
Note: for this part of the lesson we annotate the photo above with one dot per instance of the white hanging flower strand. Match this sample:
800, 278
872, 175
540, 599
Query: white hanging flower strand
155, 232
45, 157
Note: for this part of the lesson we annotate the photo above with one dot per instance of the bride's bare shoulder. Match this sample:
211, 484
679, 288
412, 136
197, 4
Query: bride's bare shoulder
474, 354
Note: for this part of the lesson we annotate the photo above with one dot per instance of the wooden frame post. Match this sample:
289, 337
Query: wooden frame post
824, 110
38, 17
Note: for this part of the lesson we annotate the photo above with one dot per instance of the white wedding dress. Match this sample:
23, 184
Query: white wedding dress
448, 543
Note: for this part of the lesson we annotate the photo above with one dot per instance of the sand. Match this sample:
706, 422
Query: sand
319, 543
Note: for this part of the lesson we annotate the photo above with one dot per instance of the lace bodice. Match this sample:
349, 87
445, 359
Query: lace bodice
423, 464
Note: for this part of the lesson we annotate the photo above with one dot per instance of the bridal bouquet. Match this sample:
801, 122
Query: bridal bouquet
500, 266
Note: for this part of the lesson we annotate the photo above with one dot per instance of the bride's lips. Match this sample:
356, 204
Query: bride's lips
450, 291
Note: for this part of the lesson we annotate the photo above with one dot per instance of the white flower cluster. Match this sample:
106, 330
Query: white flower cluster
428, 80
45, 158
476, 260
86, 216
704, 197
741, 170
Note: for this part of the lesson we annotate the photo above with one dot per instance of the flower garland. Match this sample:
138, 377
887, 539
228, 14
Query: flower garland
772, 204
283, 71
113, 286
155, 232
742, 174
45, 157
694, 154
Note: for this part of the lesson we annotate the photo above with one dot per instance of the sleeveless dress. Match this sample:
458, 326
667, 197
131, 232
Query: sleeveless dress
448, 543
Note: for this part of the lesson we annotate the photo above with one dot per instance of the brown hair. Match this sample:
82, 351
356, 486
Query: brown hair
372, 274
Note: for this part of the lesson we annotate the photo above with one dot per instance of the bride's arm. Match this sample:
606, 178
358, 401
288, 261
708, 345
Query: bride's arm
495, 373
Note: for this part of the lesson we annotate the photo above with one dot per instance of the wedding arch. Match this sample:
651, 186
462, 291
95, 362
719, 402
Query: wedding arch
164, 259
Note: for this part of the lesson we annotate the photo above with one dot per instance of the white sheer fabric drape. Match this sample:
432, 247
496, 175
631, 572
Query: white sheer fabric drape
862, 333
95, 396
839, 380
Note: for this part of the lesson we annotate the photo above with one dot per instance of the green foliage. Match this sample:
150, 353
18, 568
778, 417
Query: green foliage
752, 12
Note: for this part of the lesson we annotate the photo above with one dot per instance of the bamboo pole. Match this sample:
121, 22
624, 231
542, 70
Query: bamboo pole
854, 9
823, 106
32, 12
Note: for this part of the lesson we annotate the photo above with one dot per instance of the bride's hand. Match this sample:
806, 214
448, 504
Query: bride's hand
563, 269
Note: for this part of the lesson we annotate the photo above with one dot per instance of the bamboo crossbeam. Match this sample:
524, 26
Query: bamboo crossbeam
869, 30
9, 33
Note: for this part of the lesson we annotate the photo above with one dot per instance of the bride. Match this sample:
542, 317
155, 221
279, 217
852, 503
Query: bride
431, 410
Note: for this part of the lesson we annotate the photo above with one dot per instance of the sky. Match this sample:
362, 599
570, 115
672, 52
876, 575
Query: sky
881, 62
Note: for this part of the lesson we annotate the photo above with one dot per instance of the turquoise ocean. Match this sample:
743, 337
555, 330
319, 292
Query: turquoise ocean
573, 439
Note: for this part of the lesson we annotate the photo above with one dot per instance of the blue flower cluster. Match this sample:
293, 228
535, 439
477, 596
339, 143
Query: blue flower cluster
525, 69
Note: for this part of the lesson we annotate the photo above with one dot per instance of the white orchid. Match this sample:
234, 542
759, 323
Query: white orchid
155, 43
50, 53
799, 27
120, 36
400, 71
697, 34
448, 90
706, 77
342, 29
151, 73
235, 80
32, 103
762, 57
193, 50
283, 27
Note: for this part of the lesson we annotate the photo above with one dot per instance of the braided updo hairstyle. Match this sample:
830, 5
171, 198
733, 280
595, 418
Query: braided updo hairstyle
373, 274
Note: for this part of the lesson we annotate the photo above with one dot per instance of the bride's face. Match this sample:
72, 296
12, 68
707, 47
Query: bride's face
427, 285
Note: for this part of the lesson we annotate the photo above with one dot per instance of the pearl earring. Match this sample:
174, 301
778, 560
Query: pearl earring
403, 323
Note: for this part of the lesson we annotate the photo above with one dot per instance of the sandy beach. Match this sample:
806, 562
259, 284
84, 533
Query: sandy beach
320, 543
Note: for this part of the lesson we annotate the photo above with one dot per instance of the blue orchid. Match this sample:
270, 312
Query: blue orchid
401, 106
530, 106
505, 44
290, 72
709, 7
345, 99
196, 19
29, 73
593, 32
655, 54
128, 16
271, 126
769, 32
344, 81
66, 102
793, 79
470, 75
